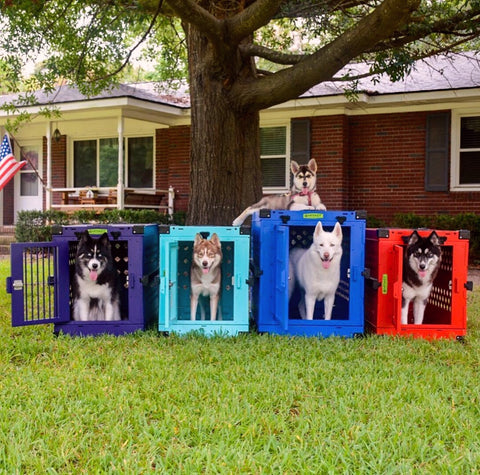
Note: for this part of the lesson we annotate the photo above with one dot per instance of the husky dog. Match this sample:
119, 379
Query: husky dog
206, 274
421, 262
317, 270
301, 196
95, 282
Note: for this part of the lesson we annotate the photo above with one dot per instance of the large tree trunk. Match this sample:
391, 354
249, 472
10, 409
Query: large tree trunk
225, 152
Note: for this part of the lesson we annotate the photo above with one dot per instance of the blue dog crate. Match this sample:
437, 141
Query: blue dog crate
41, 275
274, 235
176, 250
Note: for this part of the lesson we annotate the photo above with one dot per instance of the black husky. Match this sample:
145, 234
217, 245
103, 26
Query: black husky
420, 267
95, 282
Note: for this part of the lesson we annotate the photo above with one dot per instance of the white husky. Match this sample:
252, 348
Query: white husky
317, 270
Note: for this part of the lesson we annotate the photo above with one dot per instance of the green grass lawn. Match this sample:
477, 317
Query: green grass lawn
249, 404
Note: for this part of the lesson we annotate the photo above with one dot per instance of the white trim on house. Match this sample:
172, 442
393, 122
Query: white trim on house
286, 124
455, 130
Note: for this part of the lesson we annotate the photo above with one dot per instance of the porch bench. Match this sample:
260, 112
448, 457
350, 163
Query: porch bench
137, 199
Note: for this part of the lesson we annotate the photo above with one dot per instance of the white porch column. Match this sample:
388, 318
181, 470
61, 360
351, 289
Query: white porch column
120, 185
48, 189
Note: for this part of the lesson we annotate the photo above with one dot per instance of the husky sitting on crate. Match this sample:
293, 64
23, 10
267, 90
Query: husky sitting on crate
95, 285
317, 270
420, 267
303, 194
206, 274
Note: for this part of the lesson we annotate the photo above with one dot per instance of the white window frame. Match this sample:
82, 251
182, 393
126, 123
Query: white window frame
455, 150
70, 174
279, 189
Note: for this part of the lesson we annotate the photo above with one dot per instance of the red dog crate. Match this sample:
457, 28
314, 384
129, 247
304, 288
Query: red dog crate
446, 311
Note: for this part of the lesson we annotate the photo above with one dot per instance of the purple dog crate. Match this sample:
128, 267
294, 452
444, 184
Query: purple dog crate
41, 273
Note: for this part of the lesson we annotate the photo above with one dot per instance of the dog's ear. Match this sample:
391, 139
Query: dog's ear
312, 165
434, 239
198, 239
294, 166
338, 230
104, 240
414, 237
85, 237
215, 239
318, 229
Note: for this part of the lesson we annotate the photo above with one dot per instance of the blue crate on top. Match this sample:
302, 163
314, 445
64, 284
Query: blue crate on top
274, 234
176, 248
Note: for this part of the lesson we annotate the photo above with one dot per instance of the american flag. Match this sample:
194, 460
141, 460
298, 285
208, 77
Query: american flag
8, 165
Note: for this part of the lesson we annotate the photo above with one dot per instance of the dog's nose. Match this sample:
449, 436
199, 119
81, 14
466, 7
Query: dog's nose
326, 255
204, 263
422, 265
305, 184
94, 265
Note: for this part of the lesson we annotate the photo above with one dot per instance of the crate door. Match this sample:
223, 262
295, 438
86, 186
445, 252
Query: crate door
282, 234
169, 283
397, 286
39, 283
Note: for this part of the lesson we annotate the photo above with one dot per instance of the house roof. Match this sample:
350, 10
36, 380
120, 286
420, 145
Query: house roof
440, 73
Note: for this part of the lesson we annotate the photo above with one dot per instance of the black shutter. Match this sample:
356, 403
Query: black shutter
437, 152
300, 141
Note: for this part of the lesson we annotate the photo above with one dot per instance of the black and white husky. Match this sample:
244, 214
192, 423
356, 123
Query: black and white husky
421, 263
303, 194
95, 282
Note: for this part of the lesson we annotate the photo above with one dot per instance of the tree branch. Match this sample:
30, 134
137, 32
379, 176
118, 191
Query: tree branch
281, 86
271, 55
256, 15
190, 12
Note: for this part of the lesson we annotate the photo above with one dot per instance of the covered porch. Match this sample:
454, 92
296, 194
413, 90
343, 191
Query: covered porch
72, 199
103, 152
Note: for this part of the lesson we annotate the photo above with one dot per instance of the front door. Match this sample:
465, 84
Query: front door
28, 188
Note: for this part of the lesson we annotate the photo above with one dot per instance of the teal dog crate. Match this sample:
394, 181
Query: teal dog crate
274, 235
176, 250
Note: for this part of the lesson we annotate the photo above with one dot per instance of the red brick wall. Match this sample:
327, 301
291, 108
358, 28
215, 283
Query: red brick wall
173, 163
8, 210
59, 166
379, 165
329, 147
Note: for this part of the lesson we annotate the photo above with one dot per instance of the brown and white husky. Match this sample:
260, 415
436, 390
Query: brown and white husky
206, 274
303, 194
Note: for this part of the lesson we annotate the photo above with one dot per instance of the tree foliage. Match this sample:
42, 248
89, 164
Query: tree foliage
253, 54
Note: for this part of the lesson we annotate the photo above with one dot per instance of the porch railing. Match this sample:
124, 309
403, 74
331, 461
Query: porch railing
75, 198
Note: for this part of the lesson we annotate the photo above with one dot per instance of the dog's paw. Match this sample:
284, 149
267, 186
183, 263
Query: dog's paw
237, 222
321, 207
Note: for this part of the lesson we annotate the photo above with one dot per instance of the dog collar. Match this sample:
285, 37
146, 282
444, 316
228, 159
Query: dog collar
308, 193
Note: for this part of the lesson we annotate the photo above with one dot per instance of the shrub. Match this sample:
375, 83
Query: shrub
36, 226
469, 221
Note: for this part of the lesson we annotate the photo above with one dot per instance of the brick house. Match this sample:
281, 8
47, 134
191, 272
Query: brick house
409, 146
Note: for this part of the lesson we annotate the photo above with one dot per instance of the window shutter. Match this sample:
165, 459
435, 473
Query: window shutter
300, 141
437, 152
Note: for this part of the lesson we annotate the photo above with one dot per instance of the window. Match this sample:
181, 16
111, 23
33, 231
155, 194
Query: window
466, 152
469, 150
28, 177
274, 159
140, 162
95, 162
